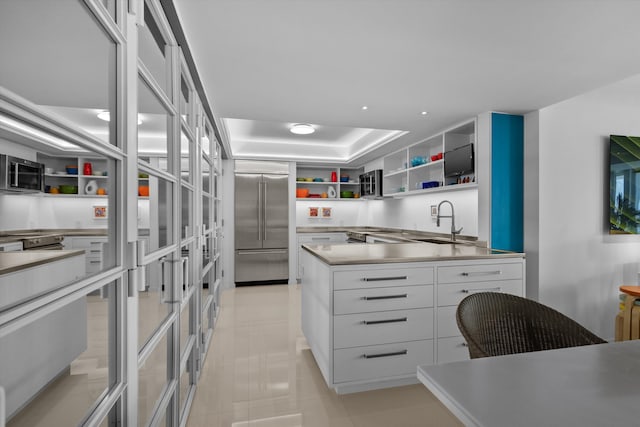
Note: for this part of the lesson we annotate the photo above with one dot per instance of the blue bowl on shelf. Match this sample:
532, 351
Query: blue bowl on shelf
344, 179
72, 170
418, 160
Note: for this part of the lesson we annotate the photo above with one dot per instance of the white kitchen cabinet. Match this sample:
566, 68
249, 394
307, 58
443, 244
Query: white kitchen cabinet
37, 352
370, 325
317, 239
405, 171
93, 248
454, 283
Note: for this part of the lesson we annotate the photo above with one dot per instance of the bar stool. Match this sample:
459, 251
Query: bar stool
628, 320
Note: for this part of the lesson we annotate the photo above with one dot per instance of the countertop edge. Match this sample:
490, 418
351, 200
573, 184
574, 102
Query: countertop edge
399, 260
52, 256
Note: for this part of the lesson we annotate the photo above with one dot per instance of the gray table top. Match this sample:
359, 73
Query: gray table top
597, 385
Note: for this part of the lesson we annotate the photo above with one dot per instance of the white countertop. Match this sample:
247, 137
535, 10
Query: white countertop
380, 253
596, 385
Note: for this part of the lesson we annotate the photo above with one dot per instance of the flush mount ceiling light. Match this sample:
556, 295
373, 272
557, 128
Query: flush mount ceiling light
364, 107
424, 113
302, 129
104, 115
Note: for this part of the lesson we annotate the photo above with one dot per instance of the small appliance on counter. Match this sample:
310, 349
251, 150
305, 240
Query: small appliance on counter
371, 184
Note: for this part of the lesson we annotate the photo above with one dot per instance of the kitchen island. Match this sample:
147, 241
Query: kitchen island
372, 313
36, 359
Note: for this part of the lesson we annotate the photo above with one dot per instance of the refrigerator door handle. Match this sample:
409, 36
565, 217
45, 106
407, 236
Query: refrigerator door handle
260, 210
264, 209
263, 251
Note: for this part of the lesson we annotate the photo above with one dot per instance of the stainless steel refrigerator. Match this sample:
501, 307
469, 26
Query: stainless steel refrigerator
261, 222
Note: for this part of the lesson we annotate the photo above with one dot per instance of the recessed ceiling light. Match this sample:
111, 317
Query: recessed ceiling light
106, 116
424, 113
302, 129
364, 107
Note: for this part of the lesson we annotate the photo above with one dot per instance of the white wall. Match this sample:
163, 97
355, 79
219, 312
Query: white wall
414, 212
411, 212
580, 265
20, 212
343, 213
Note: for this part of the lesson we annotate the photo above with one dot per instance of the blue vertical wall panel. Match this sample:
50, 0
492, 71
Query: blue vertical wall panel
507, 179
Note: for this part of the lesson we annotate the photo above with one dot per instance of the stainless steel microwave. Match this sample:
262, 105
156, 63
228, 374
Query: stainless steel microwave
20, 175
371, 184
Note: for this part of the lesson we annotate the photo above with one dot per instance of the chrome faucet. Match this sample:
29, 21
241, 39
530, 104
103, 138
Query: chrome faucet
453, 220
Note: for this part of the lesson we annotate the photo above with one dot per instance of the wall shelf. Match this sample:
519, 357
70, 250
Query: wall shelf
324, 173
400, 179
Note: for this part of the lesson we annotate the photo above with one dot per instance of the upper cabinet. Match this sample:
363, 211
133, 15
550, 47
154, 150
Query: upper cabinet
328, 182
422, 168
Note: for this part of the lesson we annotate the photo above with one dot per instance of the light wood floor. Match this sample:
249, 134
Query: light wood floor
260, 372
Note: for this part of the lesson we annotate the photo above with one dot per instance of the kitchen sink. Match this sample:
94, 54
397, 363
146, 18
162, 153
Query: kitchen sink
437, 241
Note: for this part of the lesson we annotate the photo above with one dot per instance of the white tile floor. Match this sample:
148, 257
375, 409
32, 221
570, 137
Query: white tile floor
260, 372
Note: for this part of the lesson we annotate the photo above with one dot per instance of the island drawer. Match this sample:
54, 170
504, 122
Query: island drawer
454, 293
479, 272
358, 279
381, 361
361, 329
381, 299
452, 349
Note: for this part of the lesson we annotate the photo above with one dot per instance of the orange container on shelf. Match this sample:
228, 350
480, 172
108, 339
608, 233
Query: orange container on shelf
301, 193
143, 190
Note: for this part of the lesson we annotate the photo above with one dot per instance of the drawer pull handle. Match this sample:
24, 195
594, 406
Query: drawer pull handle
95, 251
384, 297
377, 322
481, 273
395, 353
473, 291
379, 279
320, 238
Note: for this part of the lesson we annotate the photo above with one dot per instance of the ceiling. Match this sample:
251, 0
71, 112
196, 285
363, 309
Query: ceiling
265, 65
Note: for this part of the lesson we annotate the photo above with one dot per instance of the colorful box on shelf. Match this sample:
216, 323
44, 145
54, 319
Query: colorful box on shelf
430, 184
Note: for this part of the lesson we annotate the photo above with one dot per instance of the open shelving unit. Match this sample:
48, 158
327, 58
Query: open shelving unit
324, 173
405, 171
61, 177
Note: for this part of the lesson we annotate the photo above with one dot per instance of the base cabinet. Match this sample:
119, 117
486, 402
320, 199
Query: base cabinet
377, 362
370, 326
316, 239
93, 248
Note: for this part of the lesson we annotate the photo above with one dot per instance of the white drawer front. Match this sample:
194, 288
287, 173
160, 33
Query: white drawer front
353, 330
479, 273
381, 361
359, 279
322, 238
446, 318
87, 242
453, 349
452, 294
382, 299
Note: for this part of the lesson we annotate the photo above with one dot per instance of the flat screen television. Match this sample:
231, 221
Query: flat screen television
624, 184
459, 162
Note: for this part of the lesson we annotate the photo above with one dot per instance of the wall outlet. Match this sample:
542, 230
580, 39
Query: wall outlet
434, 211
